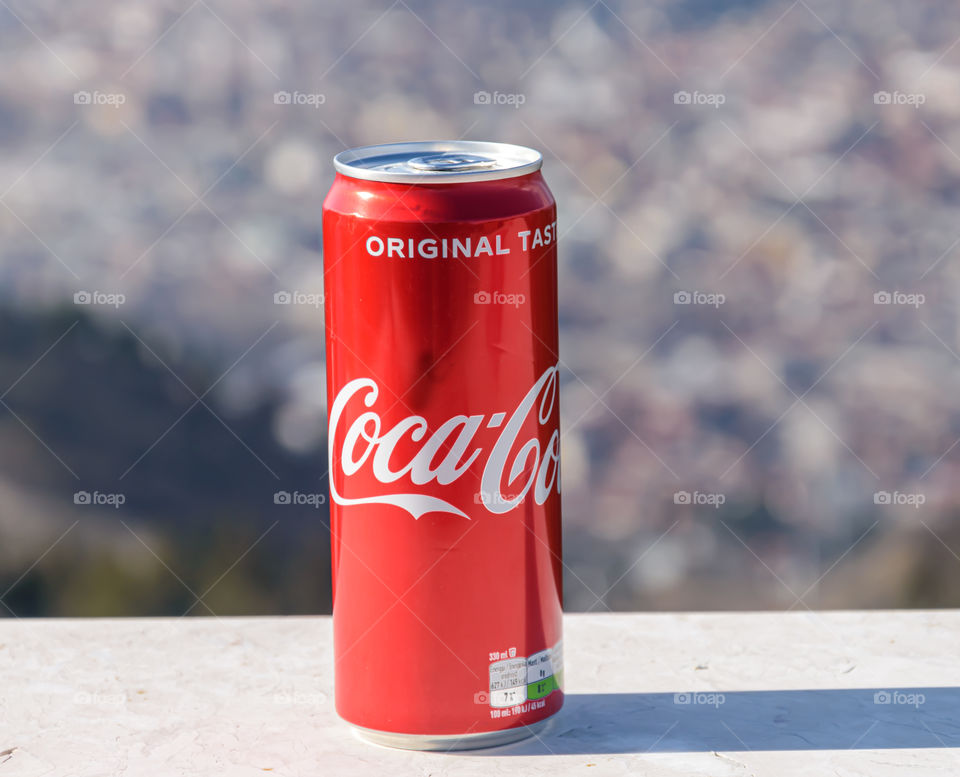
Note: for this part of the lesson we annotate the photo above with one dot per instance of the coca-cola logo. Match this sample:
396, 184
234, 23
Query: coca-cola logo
366, 443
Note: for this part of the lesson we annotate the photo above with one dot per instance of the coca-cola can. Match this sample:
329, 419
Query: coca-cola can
440, 286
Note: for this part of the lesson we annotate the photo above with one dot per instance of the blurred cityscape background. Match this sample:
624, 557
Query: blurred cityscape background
759, 278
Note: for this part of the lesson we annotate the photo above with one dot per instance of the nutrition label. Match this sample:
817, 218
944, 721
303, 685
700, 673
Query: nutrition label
517, 679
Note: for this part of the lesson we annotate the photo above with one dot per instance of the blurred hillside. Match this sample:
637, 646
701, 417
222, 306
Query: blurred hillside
192, 506
798, 162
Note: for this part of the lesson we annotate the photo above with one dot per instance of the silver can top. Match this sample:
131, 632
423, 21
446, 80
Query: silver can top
438, 161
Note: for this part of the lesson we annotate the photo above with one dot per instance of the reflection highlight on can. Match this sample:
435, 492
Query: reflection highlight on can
440, 289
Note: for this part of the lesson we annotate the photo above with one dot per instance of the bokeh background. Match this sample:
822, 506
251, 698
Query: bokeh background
759, 278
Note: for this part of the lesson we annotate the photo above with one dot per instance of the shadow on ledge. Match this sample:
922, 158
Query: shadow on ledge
861, 719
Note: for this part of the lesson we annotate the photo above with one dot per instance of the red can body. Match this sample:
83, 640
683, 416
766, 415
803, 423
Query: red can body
442, 360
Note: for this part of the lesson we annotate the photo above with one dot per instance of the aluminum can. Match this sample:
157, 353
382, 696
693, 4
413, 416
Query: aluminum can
440, 288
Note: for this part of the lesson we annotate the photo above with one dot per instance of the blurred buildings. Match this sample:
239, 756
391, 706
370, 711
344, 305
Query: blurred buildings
749, 195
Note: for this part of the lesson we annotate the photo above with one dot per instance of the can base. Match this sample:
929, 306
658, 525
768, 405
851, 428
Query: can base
450, 741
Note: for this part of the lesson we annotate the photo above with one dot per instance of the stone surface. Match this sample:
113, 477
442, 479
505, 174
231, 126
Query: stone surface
658, 694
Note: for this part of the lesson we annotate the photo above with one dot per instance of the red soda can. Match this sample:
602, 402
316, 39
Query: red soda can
440, 285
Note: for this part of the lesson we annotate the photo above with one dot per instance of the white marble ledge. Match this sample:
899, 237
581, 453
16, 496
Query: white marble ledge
871, 693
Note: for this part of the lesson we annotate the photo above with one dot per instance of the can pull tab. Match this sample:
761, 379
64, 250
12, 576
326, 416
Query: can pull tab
451, 162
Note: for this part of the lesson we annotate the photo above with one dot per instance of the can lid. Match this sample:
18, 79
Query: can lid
438, 161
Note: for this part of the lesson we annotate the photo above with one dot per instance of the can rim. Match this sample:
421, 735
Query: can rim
512, 161
454, 742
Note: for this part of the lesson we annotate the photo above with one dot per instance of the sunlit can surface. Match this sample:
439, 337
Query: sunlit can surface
442, 378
